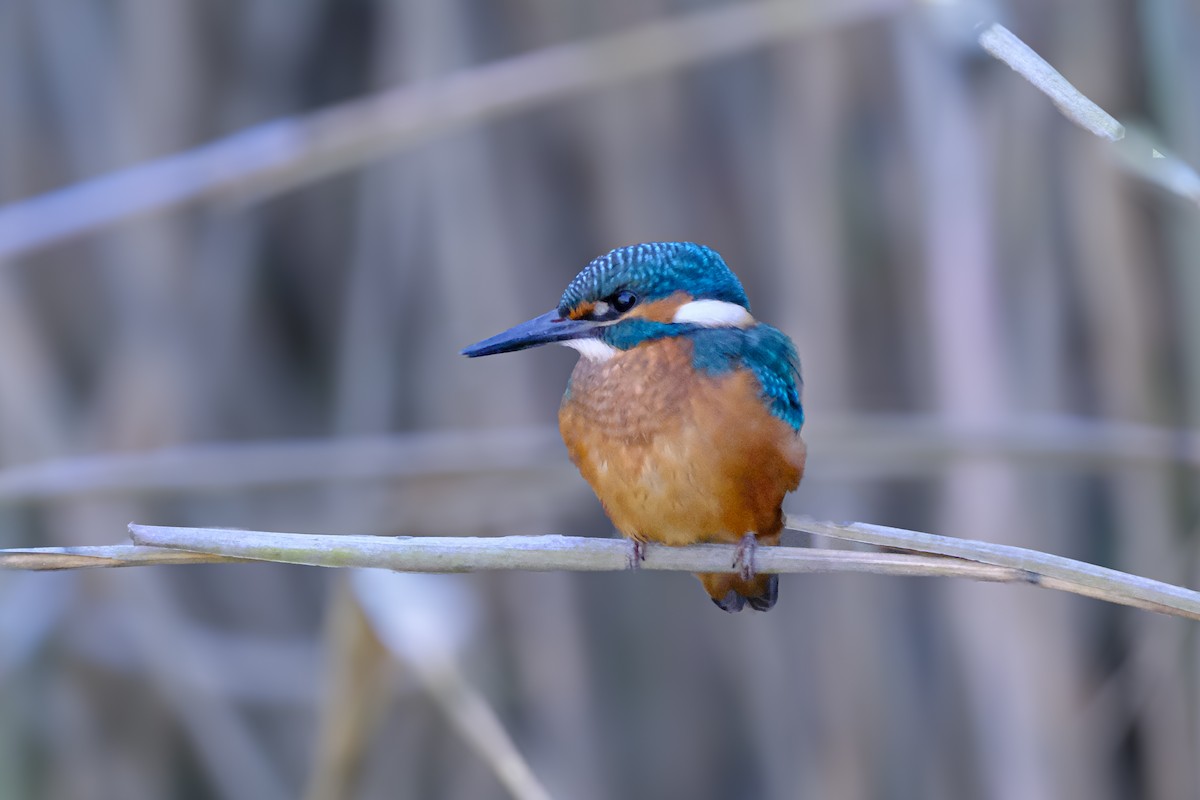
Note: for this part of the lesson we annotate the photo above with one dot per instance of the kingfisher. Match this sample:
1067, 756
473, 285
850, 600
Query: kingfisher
683, 412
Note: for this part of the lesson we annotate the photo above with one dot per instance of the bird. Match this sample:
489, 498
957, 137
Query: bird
683, 412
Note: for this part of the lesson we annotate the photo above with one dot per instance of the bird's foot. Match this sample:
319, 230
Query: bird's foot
743, 561
637, 553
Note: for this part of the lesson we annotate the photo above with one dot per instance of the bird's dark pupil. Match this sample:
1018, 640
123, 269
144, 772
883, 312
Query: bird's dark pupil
624, 301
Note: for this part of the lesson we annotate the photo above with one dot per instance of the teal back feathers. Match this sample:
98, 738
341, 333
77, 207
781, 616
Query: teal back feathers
765, 351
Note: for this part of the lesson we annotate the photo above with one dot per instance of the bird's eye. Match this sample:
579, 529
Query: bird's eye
624, 300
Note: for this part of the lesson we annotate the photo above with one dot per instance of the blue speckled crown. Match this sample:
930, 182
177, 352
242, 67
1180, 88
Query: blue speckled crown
656, 270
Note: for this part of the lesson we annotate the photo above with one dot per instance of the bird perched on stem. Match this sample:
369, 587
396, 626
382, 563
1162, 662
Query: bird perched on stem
683, 413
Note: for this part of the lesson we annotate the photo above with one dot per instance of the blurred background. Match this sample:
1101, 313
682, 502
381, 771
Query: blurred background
242, 243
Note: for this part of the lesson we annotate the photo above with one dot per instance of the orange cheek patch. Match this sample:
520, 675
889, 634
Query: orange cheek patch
581, 311
661, 310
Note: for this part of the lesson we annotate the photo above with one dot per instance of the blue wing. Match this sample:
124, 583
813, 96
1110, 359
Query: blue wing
764, 350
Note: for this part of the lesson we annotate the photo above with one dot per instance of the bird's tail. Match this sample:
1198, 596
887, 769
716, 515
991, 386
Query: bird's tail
731, 592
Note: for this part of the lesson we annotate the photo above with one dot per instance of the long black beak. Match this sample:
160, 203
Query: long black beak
549, 327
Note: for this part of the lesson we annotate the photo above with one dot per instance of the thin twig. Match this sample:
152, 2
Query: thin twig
947, 557
1074, 104
290, 152
1145, 157
861, 445
240, 465
428, 554
120, 555
1044, 569
1138, 154
539, 553
452, 554
465, 554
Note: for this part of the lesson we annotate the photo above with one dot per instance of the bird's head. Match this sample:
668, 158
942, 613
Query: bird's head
630, 295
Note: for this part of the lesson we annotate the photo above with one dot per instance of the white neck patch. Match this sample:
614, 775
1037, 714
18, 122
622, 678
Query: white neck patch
714, 314
591, 349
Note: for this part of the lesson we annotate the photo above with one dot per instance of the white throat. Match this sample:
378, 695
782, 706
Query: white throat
714, 314
592, 349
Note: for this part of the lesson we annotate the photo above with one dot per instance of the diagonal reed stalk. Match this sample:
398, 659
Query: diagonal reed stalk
1138, 153
283, 154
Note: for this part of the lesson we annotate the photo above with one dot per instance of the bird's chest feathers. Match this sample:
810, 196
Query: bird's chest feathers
630, 398
675, 453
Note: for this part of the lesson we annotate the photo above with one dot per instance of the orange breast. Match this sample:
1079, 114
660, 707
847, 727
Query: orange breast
677, 456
